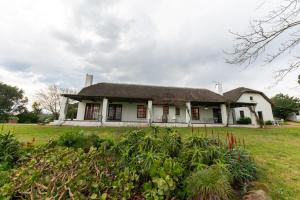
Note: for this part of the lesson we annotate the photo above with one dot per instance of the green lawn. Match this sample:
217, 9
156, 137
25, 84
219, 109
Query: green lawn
276, 150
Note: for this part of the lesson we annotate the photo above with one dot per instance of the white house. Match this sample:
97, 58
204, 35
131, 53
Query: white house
262, 105
111, 104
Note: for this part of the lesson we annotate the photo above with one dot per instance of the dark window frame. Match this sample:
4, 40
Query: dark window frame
92, 111
165, 109
242, 114
251, 98
141, 111
195, 115
116, 109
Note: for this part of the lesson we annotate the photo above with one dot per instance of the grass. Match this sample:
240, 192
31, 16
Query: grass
275, 150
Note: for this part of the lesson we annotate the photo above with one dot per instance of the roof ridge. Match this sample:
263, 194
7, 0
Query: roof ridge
149, 85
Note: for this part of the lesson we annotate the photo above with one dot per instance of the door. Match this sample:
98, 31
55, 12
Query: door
114, 112
195, 113
260, 116
165, 113
217, 115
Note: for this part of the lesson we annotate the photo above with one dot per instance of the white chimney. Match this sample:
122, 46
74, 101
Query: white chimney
219, 88
88, 80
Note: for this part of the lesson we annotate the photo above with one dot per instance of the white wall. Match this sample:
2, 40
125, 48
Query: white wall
181, 118
172, 117
261, 105
129, 111
157, 113
206, 115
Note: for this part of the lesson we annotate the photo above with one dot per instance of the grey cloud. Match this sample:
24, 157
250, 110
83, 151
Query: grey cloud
15, 65
137, 42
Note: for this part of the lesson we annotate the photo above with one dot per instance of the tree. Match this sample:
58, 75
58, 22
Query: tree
49, 99
284, 105
36, 108
270, 37
12, 101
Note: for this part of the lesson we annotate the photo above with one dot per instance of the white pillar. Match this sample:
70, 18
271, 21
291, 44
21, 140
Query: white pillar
81, 110
149, 112
224, 113
188, 113
63, 108
104, 109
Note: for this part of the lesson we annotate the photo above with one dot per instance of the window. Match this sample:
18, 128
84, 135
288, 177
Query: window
114, 112
92, 111
177, 111
195, 113
251, 98
165, 109
141, 111
242, 114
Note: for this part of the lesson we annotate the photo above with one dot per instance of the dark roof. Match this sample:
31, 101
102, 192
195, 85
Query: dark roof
158, 94
235, 94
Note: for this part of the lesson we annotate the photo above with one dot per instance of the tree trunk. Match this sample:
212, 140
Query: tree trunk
252, 110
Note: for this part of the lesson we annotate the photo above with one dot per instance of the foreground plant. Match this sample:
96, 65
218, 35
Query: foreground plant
210, 183
10, 150
139, 166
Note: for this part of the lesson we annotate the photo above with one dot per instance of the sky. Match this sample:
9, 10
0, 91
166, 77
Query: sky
157, 42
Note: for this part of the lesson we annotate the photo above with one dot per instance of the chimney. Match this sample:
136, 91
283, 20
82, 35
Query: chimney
88, 80
219, 88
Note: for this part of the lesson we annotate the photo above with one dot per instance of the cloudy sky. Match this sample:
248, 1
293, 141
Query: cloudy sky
161, 42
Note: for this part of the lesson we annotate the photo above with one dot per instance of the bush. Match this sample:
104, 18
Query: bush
10, 150
156, 165
241, 166
269, 122
79, 140
244, 120
28, 117
68, 173
209, 183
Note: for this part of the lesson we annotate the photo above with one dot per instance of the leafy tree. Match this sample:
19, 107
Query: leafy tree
36, 108
12, 101
284, 105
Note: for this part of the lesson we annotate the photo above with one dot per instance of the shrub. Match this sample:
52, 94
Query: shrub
269, 122
10, 150
244, 120
140, 165
79, 140
69, 174
28, 117
209, 183
241, 166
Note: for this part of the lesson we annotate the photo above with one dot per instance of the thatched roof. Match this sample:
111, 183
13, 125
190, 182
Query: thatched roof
235, 94
158, 94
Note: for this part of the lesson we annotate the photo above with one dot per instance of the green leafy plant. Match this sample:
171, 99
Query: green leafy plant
241, 166
244, 120
140, 165
269, 122
79, 140
10, 150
